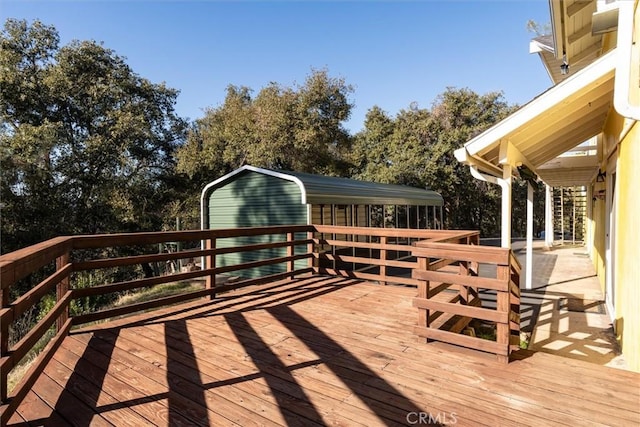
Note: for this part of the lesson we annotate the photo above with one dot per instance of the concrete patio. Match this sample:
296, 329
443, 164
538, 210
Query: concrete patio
565, 314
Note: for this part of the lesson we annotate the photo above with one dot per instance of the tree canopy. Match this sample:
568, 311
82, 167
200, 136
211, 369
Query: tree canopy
416, 148
297, 128
87, 144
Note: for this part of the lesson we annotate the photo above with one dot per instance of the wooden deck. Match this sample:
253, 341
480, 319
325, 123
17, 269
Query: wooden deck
312, 351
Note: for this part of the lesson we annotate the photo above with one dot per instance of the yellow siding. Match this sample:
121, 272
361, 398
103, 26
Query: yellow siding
598, 227
627, 249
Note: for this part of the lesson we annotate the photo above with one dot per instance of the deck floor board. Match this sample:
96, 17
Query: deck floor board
312, 351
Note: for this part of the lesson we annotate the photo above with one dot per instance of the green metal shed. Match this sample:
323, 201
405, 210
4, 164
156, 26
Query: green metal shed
254, 197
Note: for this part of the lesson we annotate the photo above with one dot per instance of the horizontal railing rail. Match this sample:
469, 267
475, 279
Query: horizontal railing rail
376, 254
450, 282
249, 256
59, 255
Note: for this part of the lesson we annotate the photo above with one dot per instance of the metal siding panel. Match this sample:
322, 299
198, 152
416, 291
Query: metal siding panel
257, 197
251, 200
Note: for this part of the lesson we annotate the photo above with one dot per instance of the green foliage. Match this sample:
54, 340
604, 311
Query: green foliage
87, 144
537, 28
298, 128
416, 148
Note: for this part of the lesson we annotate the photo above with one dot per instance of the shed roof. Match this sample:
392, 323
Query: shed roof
318, 189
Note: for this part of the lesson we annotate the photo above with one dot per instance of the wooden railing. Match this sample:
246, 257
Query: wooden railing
380, 255
449, 295
60, 255
388, 256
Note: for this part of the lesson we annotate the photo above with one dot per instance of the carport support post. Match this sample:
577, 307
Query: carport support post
426, 217
506, 206
529, 258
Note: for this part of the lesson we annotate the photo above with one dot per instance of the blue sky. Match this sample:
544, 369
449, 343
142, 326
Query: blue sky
392, 53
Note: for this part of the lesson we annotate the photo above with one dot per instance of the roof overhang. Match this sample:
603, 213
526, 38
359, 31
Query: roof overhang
574, 37
543, 46
558, 120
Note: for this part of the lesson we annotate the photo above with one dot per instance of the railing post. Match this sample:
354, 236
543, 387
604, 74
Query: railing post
334, 222
503, 333
4, 326
463, 290
514, 308
290, 253
4, 343
210, 262
61, 290
473, 267
311, 250
383, 258
423, 292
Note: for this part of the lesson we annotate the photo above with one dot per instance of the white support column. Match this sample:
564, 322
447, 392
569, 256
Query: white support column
589, 225
506, 206
562, 214
529, 257
548, 217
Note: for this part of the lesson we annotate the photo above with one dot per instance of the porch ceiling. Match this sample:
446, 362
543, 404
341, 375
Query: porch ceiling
553, 123
570, 171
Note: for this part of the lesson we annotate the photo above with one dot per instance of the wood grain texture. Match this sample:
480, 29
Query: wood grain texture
312, 351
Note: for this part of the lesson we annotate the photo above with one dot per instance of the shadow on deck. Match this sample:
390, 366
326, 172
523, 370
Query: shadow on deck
565, 313
310, 351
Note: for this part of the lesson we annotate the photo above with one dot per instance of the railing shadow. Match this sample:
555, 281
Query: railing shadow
381, 397
182, 371
184, 377
576, 334
77, 408
258, 297
289, 395
561, 316
175, 371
